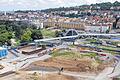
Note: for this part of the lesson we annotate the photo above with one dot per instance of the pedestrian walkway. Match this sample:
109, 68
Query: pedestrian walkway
23, 63
104, 74
116, 71
90, 77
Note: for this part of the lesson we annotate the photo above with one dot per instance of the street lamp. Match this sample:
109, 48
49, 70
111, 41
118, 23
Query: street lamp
15, 63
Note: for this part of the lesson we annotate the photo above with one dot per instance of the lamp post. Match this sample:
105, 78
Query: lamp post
15, 63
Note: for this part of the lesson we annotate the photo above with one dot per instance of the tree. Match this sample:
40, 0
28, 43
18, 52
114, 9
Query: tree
5, 37
21, 30
57, 33
105, 6
116, 3
18, 28
26, 37
36, 34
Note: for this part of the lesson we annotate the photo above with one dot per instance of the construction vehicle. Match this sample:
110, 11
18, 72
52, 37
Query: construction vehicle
115, 23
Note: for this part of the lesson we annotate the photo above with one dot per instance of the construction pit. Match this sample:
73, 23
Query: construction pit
71, 62
82, 65
74, 65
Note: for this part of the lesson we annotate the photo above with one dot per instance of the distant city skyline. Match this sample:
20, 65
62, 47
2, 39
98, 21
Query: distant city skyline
10, 5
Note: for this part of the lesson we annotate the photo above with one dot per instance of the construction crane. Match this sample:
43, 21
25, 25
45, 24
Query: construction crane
115, 23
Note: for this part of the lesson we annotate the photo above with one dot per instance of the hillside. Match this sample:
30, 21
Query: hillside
98, 6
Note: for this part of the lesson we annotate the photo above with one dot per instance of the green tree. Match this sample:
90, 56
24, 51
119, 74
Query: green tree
36, 34
26, 37
116, 3
57, 33
5, 37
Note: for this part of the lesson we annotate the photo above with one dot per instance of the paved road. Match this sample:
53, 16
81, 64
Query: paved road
21, 63
116, 71
26, 63
104, 74
110, 72
90, 77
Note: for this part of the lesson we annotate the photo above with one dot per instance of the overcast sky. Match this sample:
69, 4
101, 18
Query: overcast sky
9, 5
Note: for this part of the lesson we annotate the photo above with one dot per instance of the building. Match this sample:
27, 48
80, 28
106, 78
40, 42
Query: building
3, 52
68, 25
97, 28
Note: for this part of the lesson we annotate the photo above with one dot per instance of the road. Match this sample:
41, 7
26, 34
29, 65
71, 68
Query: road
82, 75
116, 71
110, 72
21, 62
104, 74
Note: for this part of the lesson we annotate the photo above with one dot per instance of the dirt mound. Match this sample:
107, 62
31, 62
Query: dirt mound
81, 65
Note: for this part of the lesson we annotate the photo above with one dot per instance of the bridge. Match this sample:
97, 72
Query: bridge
72, 35
76, 36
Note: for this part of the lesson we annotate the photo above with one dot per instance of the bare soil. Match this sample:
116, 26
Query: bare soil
1, 67
81, 65
25, 76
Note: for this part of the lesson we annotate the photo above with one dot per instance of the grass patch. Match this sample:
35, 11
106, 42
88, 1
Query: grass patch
71, 55
91, 40
66, 54
108, 48
48, 33
89, 55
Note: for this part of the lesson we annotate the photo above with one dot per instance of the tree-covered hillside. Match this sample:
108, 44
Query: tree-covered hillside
22, 31
100, 6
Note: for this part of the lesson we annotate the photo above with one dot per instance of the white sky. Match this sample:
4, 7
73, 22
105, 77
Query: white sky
7, 5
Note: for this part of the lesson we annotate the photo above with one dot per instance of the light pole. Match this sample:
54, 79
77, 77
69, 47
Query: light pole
15, 63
